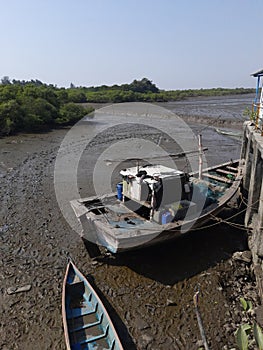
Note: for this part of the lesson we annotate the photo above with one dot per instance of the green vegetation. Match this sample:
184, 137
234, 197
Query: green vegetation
145, 91
35, 106
248, 336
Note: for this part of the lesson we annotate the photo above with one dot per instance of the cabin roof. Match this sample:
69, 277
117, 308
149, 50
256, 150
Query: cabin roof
258, 73
160, 171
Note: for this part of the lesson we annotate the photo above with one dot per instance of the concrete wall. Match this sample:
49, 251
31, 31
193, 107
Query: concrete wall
252, 152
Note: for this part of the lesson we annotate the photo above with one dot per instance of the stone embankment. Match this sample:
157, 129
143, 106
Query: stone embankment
252, 152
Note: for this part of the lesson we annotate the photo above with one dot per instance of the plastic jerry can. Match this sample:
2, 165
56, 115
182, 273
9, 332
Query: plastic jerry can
119, 190
166, 217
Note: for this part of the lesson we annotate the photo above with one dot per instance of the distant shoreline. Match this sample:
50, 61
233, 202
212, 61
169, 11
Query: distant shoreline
191, 119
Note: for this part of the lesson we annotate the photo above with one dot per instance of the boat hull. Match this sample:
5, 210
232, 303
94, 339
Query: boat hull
161, 235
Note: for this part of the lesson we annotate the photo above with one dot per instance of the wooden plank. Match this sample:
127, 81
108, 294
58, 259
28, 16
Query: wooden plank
217, 178
232, 168
221, 171
87, 325
213, 168
80, 312
96, 337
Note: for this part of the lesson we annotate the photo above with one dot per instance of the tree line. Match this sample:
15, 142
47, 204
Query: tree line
143, 91
35, 106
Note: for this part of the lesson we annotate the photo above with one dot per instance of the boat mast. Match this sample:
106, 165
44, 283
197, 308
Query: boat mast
200, 149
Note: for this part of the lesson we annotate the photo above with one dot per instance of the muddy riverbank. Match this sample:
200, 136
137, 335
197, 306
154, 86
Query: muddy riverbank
149, 292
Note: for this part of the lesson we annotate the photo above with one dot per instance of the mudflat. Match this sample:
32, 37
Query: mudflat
149, 293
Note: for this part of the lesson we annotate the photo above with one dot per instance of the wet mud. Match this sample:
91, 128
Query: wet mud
149, 292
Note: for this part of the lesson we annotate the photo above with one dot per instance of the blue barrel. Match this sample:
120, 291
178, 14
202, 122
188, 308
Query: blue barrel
119, 190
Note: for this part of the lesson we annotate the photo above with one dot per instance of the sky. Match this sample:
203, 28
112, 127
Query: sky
177, 44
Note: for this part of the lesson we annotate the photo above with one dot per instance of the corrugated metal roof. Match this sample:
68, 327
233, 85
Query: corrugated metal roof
256, 74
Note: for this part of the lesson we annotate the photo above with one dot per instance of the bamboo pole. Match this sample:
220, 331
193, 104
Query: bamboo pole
200, 149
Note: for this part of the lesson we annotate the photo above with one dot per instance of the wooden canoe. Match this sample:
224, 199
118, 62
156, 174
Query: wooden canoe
86, 322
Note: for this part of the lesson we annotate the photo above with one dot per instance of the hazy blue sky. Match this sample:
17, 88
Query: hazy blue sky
178, 44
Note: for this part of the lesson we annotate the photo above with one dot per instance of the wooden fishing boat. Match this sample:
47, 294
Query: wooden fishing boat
86, 322
229, 132
156, 204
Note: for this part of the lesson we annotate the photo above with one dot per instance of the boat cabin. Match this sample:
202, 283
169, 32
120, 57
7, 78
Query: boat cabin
154, 187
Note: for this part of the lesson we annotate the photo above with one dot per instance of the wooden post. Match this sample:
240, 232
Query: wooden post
257, 117
152, 204
199, 321
200, 149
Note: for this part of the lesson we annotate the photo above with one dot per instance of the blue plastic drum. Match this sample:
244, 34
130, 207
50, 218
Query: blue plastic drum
119, 190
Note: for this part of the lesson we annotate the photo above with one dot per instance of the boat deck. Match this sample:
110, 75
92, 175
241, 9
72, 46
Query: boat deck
123, 219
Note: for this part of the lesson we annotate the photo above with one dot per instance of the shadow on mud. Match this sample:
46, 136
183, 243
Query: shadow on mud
184, 257
121, 328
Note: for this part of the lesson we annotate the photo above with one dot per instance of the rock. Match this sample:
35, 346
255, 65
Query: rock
13, 290
127, 316
141, 324
199, 344
170, 302
218, 339
259, 315
245, 256
146, 339
4, 228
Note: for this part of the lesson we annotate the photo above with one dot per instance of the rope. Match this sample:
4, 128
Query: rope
233, 224
231, 217
227, 221
209, 125
237, 226
246, 202
240, 119
208, 226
